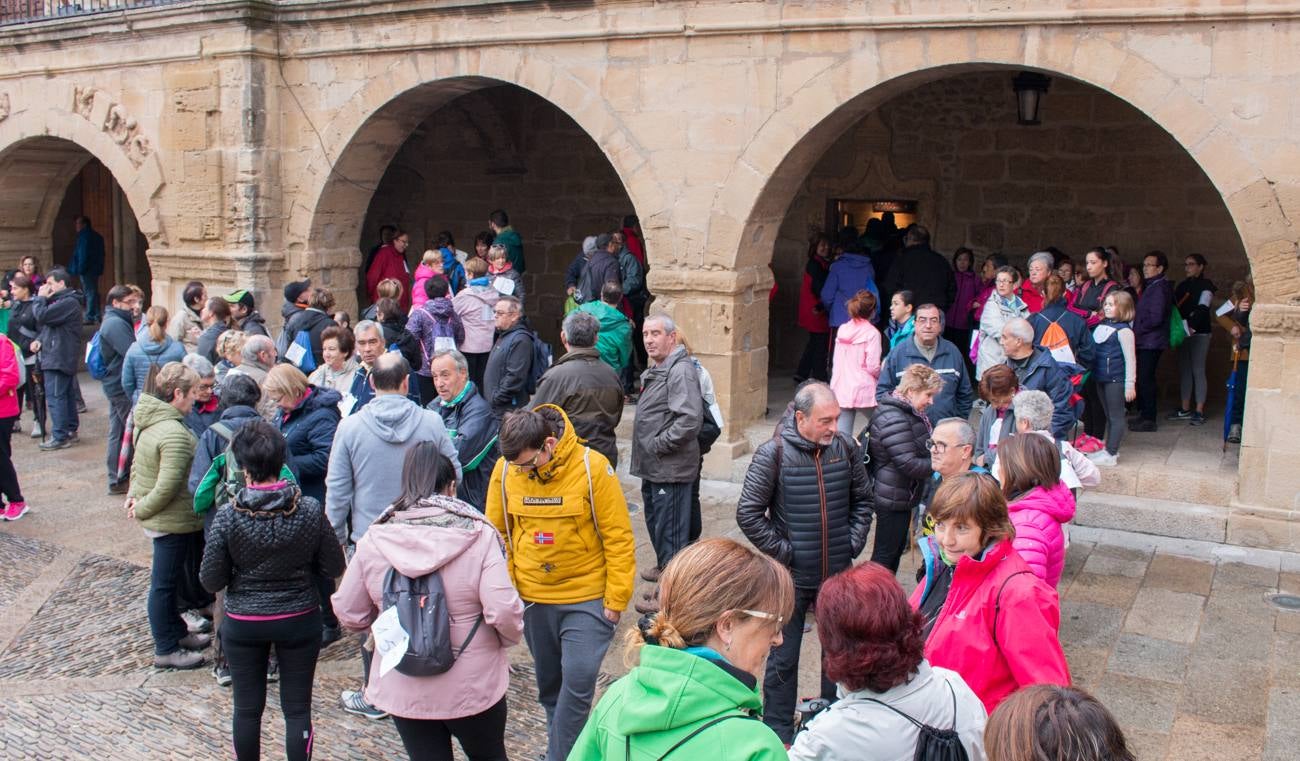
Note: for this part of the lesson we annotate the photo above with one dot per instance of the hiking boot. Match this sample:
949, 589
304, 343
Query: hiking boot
1234, 433
221, 672
1179, 414
195, 641
195, 623
1103, 459
329, 635
181, 659
646, 607
14, 511
1142, 426
1198, 418
652, 574
53, 444
354, 701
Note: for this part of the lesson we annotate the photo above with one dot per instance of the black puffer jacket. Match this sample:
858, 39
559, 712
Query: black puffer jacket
807, 505
265, 547
898, 454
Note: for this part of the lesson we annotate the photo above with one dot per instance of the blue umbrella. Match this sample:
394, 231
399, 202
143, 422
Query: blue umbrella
1232, 400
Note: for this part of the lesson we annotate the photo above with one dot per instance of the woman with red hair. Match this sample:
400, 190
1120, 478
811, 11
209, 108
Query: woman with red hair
873, 647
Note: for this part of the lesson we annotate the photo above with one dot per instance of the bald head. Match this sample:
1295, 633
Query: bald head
816, 413
390, 374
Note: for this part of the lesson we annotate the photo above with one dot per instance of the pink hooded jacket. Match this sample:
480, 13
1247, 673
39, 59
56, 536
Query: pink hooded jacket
448, 536
856, 364
1040, 540
422, 275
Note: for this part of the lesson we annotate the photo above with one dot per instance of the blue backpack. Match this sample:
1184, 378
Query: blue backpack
95, 358
542, 356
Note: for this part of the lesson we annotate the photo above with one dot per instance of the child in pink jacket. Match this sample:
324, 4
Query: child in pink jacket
416, 536
430, 265
856, 365
1039, 502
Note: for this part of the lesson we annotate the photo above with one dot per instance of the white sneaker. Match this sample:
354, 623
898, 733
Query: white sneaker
37, 432
1103, 459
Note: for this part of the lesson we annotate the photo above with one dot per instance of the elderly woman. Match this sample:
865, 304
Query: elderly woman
694, 693
338, 346
505, 278
1041, 265
873, 647
1047, 721
1032, 411
1001, 633
1003, 306
900, 431
206, 402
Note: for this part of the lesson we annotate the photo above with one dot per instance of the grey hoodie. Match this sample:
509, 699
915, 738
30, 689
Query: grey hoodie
365, 469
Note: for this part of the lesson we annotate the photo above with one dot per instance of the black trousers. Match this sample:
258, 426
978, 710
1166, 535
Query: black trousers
1238, 411
815, 362
781, 682
667, 518
1094, 409
482, 736
891, 538
477, 367
8, 476
247, 645
1148, 361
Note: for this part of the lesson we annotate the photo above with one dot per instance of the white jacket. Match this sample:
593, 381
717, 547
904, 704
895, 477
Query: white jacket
856, 729
996, 314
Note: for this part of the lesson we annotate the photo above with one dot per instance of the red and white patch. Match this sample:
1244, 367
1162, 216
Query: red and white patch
543, 537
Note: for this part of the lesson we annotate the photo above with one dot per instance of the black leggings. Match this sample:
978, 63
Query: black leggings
482, 736
247, 645
8, 476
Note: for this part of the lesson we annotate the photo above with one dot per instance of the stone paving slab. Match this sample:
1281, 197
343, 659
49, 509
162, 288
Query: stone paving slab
23, 559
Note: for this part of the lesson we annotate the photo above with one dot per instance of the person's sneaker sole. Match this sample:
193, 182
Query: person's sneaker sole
181, 660
51, 446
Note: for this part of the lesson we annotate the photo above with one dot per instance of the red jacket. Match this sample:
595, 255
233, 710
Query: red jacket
8, 379
1030, 295
388, 263
812, 316
1024, 649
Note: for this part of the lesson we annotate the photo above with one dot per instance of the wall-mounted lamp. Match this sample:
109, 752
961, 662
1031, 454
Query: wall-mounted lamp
1030, 89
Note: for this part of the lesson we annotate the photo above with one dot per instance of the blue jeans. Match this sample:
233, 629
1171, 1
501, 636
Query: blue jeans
90, 287
568, 643
170, 553
61, 401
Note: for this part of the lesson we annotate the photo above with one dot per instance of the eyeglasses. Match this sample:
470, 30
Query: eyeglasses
938, 447
532, 462
763, 615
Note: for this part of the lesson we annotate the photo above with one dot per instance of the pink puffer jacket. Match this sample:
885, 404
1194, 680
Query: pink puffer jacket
856, 364
9, 360
422, 275
1040, 540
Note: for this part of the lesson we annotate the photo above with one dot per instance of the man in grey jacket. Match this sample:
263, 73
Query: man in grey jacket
665, 445
365, 468
116, 334
587, 389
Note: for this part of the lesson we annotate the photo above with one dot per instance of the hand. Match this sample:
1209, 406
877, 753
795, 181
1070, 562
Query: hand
1236, 331
1130, 394
570, 290
613, 615
46, 289
35, 347
130, 507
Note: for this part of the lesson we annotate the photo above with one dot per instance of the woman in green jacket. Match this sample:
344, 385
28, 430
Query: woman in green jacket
161, 502
694, 694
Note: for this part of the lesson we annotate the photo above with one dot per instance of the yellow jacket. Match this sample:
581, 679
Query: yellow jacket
555, 552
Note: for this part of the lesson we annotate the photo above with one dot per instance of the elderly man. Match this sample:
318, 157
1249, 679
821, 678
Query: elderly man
806, 501
582, 385
469, 422
510, 364
364, 475
256, 359
952, 449
57, 309
1036, 369
665, 444
928, 347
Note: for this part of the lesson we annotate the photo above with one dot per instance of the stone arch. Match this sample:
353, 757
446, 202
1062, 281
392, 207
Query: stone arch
762, 183
55, 143
361, 140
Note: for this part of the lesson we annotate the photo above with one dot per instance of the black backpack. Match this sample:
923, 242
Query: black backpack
933, 744
422, 610
542, 357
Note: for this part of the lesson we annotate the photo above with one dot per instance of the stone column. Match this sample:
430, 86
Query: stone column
222, 271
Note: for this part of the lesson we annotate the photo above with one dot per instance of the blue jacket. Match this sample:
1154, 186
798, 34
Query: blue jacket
88, 256
1151, 325
142, 354
473, 429
452, 269
1043, 373
956, 397
309, 433
850, 273
1076, 330
116, 337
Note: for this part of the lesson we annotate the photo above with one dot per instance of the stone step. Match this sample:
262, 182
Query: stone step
1149, 515
1161, 481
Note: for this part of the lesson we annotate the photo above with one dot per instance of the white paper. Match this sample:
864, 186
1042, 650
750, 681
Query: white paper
1224, 308
1064, 354
391, 640
443, 343
295, 353
504, 285
346, 404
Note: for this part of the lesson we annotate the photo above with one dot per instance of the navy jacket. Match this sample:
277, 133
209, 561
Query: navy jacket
1042, 373
850, 273
473, 430
505, 379
88, 256
1151, 325
1076, 330
956, 397
309, 433
116, 335
212, 444
59, 320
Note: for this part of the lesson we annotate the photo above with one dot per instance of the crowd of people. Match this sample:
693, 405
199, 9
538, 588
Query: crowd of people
458, 483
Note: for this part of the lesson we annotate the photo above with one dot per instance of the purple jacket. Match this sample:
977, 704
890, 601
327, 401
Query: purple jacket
435, 318
1151, 326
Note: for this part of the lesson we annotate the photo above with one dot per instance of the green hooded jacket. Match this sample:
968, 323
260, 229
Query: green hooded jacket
614, 341
160, 472
666, 698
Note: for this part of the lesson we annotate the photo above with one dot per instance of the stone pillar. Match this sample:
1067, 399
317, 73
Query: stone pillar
222, 271
723, 316
1270, 445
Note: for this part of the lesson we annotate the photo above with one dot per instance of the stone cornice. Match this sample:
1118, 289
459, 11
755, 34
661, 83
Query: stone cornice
1275, 319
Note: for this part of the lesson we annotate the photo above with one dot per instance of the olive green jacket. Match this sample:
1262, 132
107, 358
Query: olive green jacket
163, 450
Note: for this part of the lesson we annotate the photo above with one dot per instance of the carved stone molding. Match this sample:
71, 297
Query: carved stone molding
89, 103
4, 106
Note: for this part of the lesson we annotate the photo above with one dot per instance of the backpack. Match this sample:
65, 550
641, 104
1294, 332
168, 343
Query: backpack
542, 357
232, 475
709, 431
95, 358
1057, 343
932, 743
421, 604
22, 364
299, 352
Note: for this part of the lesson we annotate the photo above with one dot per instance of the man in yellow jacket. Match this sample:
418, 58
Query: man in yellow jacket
570, 553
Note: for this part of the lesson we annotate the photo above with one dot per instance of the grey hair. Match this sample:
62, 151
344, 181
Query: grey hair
580, 329
200, 365
368, 325
664, 321
1044, 256
462, 364
1020, 328
809, 394
1033, 407
256, 345
589, 244
495, 248
517, 305
965, 433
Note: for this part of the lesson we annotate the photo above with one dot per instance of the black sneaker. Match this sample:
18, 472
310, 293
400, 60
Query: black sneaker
1197, 419
329, 635
221, 672
118, 488
53, 444
1142, 426
1179, 415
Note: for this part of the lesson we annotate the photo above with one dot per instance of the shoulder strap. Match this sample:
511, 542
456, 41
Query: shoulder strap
900, 713
479, 622
591, 493
692, 735
223, 431
997, 606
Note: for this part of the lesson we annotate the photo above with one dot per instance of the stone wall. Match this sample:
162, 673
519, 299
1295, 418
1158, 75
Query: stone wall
1097, 171
503, 148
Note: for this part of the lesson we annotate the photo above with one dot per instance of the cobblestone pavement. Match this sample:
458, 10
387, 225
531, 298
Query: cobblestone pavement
1187, 651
